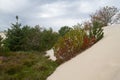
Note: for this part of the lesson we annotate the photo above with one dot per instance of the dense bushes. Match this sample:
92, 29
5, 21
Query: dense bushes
68, 45
48, 39
75, 41
29, 38
25, 66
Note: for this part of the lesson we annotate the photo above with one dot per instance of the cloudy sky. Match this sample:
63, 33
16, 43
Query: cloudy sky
49, 13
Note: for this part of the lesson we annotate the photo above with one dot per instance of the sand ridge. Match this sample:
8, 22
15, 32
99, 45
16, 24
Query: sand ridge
100, 62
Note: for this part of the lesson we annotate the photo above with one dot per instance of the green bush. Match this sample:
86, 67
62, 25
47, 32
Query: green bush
77, 40
96, 31
70, 44
63, 30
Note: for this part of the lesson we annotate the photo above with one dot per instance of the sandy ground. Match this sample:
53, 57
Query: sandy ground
100, 62
50, 54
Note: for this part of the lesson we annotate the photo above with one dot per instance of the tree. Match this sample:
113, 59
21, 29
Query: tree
14, 37
104, 15
48, 39
29, 38
37, 38
63, 30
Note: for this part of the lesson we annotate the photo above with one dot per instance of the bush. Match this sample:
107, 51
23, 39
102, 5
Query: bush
69, 45
77, 40
96, 31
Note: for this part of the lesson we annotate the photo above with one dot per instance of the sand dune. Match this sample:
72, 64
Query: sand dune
50, 54
100, 62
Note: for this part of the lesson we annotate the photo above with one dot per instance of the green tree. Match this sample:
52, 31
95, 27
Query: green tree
38, 39
63, 30
14, 37
48, 39
31, 38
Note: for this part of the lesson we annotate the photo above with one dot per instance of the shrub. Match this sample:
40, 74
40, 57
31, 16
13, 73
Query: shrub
96, 31
77, 40
70, 44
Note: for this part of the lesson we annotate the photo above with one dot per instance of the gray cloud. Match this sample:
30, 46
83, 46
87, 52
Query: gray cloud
49, 13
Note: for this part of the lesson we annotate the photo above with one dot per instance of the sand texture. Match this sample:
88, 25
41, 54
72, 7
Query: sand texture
100, 62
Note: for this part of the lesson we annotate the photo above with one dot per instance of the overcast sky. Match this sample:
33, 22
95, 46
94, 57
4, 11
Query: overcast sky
49, 13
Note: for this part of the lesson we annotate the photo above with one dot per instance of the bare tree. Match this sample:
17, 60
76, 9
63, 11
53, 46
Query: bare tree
104, 15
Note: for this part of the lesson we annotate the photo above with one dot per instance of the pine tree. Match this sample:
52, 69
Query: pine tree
96, 31
14, 36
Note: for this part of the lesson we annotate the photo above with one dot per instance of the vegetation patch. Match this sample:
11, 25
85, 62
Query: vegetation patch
25, 66
77, 40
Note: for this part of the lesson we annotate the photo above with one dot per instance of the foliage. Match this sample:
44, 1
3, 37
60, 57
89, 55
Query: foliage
25, 66
63, 30
38, 39
104, 15
14, 37
77, 40
96, 31
29, 38
69, 45
48, 39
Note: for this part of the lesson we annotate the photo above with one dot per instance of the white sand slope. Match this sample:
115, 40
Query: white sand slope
50, 54
100, 62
